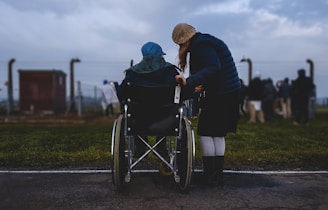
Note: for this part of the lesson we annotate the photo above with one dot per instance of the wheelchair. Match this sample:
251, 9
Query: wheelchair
149, 112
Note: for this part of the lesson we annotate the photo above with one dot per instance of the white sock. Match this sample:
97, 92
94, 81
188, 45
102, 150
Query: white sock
219, 143
207, 146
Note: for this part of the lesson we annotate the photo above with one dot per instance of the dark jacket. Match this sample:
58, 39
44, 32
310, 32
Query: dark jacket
151, 71
270, 92
285, 90
255, 90
303, 87
212, 66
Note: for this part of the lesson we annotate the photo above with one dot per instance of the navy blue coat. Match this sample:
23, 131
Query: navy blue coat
152, 71
212, 65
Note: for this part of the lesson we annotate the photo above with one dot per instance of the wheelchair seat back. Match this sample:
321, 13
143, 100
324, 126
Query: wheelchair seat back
152, 111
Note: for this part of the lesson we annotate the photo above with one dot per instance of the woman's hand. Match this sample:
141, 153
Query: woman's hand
181, 80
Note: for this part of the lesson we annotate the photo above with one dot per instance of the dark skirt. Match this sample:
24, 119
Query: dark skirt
219, 115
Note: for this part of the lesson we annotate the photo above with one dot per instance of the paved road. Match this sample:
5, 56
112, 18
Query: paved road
152, 191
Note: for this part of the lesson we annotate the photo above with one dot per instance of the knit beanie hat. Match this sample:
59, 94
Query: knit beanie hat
182, 33
152, 49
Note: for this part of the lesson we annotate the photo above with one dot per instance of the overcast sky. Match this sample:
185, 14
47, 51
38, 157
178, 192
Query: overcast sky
278, 35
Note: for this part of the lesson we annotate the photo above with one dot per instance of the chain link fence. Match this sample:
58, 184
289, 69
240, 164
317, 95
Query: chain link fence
87, 100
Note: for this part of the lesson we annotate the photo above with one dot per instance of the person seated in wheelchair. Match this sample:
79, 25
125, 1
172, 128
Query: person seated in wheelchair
151, 71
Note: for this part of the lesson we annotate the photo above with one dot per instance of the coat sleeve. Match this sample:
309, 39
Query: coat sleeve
205, 65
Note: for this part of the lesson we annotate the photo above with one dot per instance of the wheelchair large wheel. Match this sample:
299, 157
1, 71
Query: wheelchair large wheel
118, 155
185, 158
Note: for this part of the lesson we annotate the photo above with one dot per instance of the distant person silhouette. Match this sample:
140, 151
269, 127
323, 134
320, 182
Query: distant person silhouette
285, 92
255, 93
303, 87
109, 99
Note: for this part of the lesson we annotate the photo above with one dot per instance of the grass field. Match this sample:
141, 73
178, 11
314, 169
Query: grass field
66, 142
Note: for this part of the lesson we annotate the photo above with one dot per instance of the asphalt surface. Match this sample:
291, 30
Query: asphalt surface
153, 191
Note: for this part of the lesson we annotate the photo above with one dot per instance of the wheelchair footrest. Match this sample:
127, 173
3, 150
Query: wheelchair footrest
177, 178
127, 178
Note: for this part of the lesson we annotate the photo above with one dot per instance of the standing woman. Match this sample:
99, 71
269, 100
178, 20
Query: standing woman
211, 65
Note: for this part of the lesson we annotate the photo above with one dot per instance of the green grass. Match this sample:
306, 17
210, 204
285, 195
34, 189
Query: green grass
275, 145
54, 146
280, 145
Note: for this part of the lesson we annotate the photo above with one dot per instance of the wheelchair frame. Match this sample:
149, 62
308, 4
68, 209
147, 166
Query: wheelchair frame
180, 148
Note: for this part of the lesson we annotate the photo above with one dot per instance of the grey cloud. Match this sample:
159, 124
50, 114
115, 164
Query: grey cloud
106, 34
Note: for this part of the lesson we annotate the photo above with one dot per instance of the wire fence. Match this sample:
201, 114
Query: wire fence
87, 99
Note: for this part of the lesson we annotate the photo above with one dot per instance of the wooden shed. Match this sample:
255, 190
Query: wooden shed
42, 91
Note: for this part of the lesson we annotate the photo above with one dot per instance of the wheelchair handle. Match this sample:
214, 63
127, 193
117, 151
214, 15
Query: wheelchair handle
180, 81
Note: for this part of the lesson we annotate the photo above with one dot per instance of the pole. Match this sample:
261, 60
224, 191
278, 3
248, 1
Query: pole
250, 68
311, 68
313, 93
10, 86
95, 96
79, 97
72, 95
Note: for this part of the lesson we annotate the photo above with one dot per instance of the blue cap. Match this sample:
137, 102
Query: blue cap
105, 81
152, 49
